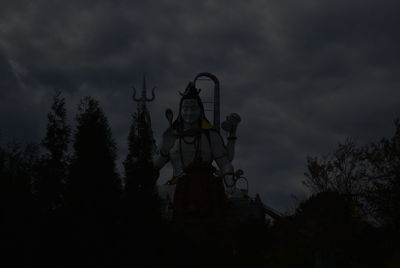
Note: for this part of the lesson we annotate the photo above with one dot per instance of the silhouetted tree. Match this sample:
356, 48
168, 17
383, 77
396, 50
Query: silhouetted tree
142, 203
93, 187
140, 175
383, 192
368, 179
93, 181
343, 171
49, 186
384, 177
370, 174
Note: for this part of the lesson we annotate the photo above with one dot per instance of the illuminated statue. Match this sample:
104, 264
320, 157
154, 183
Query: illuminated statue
192, 144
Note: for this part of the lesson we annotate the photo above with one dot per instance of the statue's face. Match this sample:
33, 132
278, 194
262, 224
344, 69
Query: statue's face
190, 111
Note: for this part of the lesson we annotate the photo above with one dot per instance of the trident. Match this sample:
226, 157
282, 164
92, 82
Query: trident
143, 99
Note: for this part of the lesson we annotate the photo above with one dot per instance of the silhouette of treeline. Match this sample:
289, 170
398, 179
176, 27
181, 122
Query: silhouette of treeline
71, 208
352, 218
353, 215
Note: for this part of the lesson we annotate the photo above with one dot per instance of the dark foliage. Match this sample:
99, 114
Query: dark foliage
142, 204
52, 173
384, 177
343, 171
93, 180
325, 232
49, 186
367, 178
140, 174
17, 225
93, 188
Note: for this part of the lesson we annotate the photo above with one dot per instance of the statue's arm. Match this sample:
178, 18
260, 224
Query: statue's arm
226, 169
221, 158
224, 165
230, 125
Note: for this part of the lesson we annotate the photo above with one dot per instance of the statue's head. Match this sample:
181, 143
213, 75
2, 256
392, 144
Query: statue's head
191, 108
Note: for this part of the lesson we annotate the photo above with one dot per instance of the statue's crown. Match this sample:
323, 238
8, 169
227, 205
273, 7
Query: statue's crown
191, 91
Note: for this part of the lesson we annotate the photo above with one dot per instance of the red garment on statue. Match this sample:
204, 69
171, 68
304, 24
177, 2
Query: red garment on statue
202, 215
199, 195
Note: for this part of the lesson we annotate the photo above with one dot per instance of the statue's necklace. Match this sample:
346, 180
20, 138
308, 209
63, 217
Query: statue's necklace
195, 141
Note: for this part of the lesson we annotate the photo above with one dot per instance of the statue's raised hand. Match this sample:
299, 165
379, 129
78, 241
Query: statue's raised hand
231, 123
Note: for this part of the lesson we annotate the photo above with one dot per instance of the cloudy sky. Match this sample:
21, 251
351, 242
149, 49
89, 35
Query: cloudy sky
303, 74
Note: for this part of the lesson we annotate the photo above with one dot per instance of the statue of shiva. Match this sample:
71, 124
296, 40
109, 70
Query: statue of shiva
192, 144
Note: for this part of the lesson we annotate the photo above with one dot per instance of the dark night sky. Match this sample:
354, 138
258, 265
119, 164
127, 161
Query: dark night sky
304, 75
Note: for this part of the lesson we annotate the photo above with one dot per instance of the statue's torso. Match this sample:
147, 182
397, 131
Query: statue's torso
186, 150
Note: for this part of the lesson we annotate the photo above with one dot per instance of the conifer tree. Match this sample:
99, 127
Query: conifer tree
140, 174
93, 189
142, 202
49, 186
140, 157
93, 184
